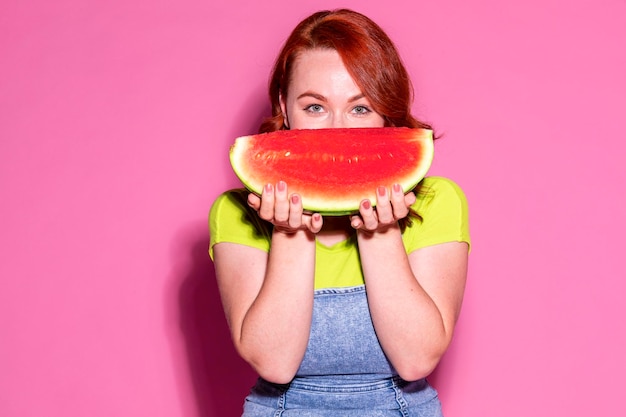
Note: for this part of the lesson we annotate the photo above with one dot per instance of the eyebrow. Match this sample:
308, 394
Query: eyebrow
322, 98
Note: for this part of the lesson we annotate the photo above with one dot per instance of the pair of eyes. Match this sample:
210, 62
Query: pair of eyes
359, 110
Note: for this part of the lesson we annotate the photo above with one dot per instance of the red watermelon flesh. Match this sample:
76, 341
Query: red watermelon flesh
333, 170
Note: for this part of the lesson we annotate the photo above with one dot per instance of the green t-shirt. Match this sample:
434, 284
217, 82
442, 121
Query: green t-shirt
441, 204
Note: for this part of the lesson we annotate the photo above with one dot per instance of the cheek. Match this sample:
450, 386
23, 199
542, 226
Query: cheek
375, 121
298, 121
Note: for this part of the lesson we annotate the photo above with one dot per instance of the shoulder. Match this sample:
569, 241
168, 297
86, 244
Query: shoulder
442, 192
232, 220
442, 214
231, 207
442, 183
227, 206
231, 200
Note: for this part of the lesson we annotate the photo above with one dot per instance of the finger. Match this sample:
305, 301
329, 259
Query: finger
410, 199
254, 201
295, 211
400, 208
266, 209
384, 210
316, 222
368, 216
281, 204
356, 222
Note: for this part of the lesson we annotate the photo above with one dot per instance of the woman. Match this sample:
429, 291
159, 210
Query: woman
341, 316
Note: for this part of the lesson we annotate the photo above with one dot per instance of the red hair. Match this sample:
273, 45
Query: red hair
369, 55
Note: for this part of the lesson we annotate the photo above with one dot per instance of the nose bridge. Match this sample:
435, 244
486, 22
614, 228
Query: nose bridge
337, 120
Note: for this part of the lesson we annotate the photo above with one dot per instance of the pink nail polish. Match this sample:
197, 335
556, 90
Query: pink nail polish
367, 205
281, 186
268, 188
397, 188
295, 199
382, 191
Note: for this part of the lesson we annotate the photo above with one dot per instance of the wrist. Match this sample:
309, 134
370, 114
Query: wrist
292, 234
392, 231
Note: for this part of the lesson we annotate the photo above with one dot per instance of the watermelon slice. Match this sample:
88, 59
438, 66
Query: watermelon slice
333, 170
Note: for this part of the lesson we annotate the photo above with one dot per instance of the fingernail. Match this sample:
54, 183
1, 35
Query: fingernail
268, 188
382, 191
295, 199
397, 188
281, 186
367, 205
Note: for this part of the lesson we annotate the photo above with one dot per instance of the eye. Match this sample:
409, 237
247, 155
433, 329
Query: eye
314, 108
361, 110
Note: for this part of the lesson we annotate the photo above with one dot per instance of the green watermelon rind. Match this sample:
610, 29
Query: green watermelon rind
334, 206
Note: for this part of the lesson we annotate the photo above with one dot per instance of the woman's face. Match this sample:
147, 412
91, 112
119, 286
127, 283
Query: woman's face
322, 94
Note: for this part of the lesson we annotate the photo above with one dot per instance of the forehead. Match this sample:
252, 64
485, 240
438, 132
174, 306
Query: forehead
321, 70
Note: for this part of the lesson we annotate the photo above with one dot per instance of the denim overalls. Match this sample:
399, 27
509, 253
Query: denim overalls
344, 372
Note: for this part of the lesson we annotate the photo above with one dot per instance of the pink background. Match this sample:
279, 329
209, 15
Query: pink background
115, 121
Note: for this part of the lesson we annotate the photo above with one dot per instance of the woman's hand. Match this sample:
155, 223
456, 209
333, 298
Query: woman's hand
391, 206
284, 211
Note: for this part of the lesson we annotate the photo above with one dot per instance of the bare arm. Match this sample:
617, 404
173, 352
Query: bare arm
414, 299
268, 298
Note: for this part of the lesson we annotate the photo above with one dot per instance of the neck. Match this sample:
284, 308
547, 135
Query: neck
335, 230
